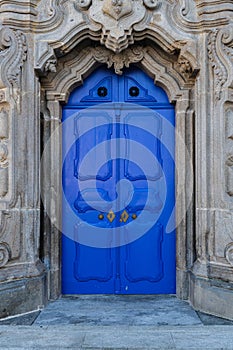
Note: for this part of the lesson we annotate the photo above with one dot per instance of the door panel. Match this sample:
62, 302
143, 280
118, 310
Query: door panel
147, 264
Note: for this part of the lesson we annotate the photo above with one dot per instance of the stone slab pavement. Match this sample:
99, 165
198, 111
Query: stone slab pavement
116, 322
116, 337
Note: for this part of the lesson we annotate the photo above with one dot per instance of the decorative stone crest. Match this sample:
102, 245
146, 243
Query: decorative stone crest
117, 8
120, 60
117, 19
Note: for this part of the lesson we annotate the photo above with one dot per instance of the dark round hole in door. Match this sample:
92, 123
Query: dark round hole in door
102, 91
134, 91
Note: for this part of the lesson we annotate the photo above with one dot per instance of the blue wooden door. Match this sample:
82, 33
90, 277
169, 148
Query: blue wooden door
119, 244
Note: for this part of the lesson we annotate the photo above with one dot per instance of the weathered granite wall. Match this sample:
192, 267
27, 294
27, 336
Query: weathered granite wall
47, 47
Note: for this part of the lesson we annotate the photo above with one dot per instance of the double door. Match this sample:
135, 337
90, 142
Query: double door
118, 187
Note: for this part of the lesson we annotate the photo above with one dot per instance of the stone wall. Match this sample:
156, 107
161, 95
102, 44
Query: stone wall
47, 47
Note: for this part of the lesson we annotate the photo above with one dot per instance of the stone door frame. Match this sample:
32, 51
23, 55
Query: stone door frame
176, 75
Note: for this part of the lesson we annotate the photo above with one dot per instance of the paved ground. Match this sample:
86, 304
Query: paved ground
119, 310
117, 322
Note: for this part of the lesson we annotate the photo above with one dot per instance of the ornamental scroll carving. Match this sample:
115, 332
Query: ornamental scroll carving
13, 51
5, 254
220, 72
120, 60
117, 18
220, 42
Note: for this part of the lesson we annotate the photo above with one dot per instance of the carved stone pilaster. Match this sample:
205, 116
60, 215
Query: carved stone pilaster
13, 50
12, 56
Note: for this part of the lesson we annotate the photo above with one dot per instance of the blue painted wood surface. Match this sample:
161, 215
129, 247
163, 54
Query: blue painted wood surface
147, 265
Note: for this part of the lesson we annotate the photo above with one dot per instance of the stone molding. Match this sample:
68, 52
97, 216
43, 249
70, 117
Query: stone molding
78, 64
90, 21
199, 15
13, 54
174, 73
13, 51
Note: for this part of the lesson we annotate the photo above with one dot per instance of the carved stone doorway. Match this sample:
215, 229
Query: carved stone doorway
177, 81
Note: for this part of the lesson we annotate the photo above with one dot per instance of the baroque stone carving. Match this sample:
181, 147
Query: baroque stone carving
4, 254
215, 9
227, 40
151, 4
51, 65
117, 19
117, 8
83, 4
186, 8
220, 72
197, 15
185, 67
120, 60
13, 51
219, 42
229, 253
